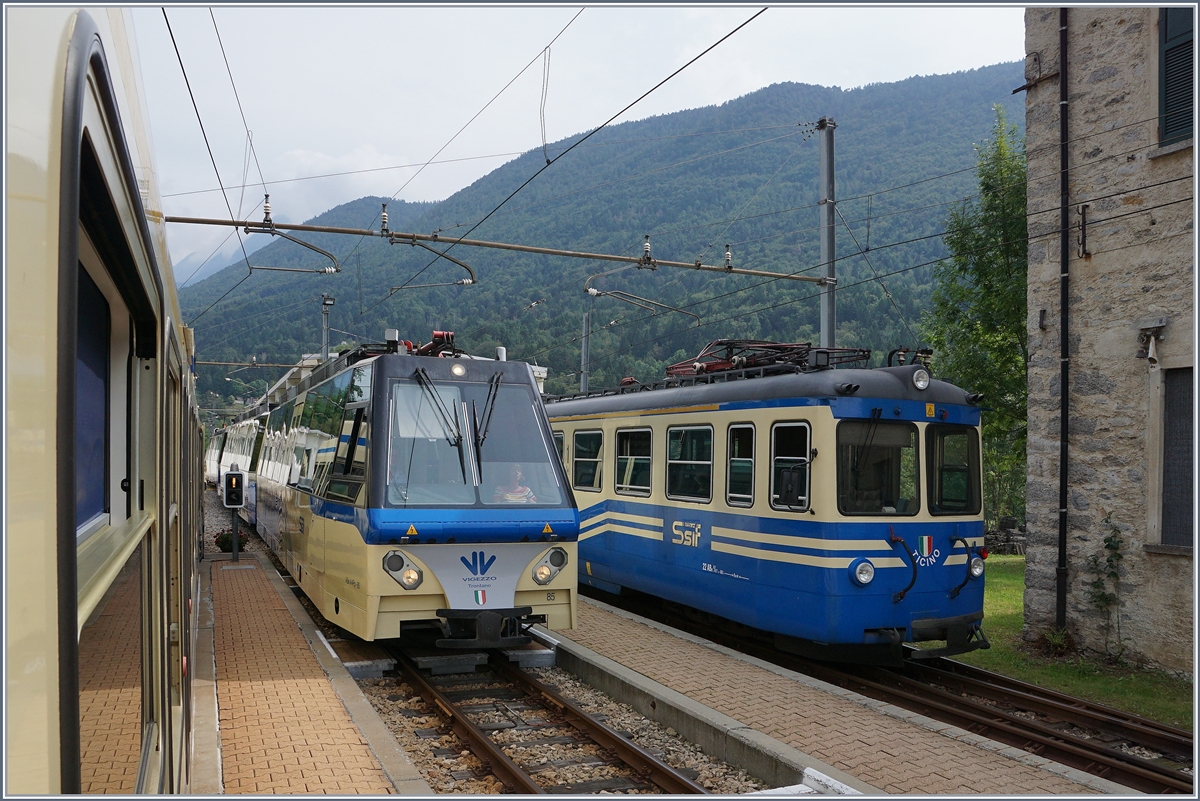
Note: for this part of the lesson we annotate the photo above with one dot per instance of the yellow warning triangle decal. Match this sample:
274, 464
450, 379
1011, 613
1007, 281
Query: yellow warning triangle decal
411, 530
547, 529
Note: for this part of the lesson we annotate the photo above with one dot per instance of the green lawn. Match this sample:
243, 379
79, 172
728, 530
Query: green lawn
1154, 695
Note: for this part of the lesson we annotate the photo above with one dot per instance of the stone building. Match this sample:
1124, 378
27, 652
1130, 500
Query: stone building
1130, 260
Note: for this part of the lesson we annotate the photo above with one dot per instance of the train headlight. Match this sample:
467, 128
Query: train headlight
406, 574
410, 578
549, 566
920, 379
863, 572
976, 567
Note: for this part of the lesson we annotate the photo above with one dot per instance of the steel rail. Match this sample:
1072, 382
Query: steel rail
413, 239
963, 669
1077, 752
1175, 742
632, 754
499, 763
1115, 765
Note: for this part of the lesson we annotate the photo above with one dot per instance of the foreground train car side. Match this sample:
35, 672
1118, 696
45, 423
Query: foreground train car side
102, 432
837, 509
409, 491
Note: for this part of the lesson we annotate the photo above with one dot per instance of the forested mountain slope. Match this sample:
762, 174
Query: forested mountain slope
743, 173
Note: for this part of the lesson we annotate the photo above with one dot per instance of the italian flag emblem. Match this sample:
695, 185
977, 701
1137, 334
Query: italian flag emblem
481, 597
925, 546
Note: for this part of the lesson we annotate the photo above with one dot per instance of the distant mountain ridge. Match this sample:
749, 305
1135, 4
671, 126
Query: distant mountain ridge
743, 172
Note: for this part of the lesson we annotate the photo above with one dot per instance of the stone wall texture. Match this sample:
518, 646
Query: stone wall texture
1138, 263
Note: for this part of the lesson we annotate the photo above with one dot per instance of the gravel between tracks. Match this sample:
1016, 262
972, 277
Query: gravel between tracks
449, 767
444, 760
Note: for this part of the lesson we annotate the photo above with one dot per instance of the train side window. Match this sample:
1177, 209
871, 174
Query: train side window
790, 456
877, 468
91, 405
103, 354
633, 462
349, 472
689, 463
954, 470
558, 445
589, 450
739, 488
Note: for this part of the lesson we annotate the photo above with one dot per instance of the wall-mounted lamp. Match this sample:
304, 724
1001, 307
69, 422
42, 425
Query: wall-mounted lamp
1150, 333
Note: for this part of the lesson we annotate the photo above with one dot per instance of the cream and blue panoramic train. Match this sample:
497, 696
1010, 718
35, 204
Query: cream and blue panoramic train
102, 434
415, 488
837, 509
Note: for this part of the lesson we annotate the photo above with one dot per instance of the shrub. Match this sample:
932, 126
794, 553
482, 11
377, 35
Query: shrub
224, 540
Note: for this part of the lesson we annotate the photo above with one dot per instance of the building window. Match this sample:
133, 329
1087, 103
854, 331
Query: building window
633, 462
1176, 80
1178, 470
589, 449
92, 383
740, 490
689, 463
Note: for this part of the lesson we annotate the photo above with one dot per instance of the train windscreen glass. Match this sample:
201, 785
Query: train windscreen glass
467, 444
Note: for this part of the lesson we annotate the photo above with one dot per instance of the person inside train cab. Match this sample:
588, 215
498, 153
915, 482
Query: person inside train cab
512, 491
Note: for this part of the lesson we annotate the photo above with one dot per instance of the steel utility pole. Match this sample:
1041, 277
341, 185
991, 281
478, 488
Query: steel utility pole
585, 352
826, 126
326, 303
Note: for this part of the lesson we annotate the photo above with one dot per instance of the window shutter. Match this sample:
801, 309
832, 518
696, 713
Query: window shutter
1177, 459
1176, 74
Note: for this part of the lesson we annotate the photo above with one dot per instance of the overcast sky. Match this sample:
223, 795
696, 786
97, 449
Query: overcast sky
329, 90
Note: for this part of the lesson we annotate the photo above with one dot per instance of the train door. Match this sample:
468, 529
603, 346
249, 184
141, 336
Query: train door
178, 568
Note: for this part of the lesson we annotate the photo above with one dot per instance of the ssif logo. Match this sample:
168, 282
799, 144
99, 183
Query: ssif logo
925, 554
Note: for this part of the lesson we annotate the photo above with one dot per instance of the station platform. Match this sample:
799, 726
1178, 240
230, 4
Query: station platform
750, 711
277, 713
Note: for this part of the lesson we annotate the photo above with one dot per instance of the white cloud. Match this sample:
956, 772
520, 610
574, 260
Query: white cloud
333, 89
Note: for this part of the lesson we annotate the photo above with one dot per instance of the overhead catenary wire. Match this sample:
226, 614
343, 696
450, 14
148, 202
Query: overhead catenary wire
601, 127
459, 132
213, 159
237, 97
743, 313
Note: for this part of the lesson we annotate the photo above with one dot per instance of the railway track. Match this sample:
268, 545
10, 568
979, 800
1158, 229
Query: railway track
525, 732
1129, 750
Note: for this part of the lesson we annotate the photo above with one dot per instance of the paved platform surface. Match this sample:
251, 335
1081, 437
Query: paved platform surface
841, 729
290, 718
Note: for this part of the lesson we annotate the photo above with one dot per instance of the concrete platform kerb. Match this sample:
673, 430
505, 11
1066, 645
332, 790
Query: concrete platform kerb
760, 754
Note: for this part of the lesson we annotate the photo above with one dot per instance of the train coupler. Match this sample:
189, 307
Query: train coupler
486, 628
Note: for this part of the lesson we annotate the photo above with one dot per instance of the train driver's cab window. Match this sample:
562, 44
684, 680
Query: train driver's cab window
633, 462
740, 489
954, 473
558, 445
689, 463
877, 468
428, 461
585, 466
790, 457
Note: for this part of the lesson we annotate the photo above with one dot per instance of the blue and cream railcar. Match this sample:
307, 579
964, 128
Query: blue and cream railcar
241, 451
212, 457
408, 491
102, 435
839, 509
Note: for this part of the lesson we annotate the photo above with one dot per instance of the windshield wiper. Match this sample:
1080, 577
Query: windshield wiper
448, 420
484, 423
